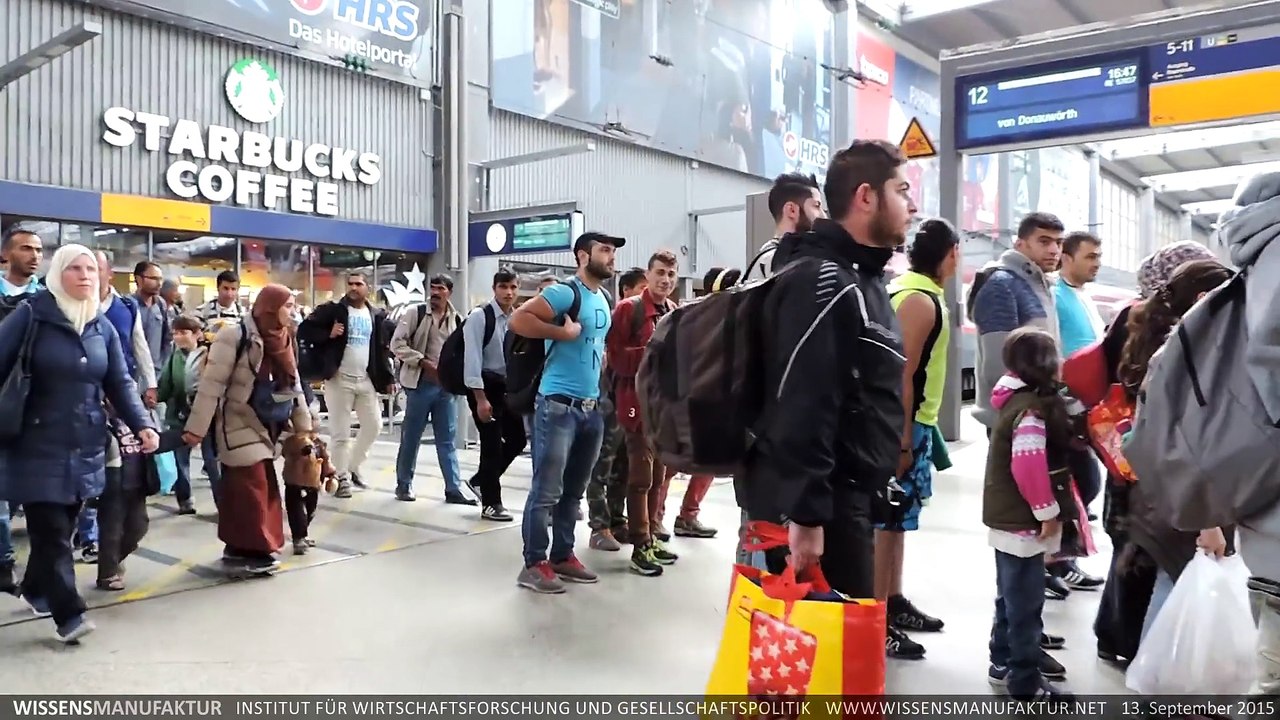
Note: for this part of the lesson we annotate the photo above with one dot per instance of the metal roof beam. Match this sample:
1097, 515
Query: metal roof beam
1134, 32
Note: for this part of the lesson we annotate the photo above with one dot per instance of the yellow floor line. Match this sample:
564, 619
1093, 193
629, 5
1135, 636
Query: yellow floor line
168, 575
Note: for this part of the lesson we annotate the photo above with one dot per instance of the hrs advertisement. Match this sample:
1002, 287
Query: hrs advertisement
737, 83
392, 37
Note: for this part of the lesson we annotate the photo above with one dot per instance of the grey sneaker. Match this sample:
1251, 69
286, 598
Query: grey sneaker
693, 528
541, 579
660, 532
344, 488
300, 547
604, 540
572, 570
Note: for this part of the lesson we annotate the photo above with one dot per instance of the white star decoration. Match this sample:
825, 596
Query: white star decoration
784, 670
790, 646
762, 630
757, 654
773, 650
401, 295
801, 666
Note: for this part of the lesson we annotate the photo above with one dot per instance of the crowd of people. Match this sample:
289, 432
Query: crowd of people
855, 363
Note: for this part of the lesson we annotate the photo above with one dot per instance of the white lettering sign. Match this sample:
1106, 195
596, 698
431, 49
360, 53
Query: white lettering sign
253, 184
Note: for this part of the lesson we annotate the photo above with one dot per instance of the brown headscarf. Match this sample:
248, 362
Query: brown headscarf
279, 360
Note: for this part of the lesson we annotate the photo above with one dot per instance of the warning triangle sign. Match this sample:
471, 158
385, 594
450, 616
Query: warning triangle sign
916, 144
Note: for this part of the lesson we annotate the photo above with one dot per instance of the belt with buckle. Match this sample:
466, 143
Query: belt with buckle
586, 405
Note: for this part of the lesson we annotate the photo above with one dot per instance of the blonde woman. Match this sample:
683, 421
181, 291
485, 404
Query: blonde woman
56, 461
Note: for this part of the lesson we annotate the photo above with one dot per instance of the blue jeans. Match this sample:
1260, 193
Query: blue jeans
6, 540
182, 459
87, 526
566, 443
428, 402
1159, 594
1015, 634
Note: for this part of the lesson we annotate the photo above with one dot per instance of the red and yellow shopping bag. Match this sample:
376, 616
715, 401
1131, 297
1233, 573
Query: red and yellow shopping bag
790, 637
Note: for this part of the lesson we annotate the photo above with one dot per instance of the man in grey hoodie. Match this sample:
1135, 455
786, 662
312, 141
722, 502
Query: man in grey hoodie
1248, 231
1016, 292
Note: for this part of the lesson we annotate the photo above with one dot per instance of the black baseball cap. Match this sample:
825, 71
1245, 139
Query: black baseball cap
587, 239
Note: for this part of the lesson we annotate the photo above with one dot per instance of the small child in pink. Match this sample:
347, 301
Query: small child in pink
1027, 495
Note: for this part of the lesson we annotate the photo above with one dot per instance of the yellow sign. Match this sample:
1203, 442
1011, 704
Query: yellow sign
155, 212
916, 144
1219, 97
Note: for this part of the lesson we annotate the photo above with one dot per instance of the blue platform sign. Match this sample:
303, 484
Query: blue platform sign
521, 235
1095, 94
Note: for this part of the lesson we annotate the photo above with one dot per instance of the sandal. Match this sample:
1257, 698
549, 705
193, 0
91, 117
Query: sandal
115, 583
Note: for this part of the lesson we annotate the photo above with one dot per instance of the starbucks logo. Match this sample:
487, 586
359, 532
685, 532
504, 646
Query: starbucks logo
254, 91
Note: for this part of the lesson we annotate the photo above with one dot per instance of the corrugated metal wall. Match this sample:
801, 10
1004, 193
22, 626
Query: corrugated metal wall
624, 189
52, 128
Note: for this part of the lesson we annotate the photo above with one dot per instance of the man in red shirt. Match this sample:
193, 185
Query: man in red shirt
633, 322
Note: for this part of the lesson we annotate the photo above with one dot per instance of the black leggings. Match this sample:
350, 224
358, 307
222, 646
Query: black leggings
300, 505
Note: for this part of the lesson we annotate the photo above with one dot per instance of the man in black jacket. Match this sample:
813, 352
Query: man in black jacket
349, 343
833, 361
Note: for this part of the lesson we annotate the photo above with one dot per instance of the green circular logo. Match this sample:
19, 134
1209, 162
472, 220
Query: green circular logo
254, 91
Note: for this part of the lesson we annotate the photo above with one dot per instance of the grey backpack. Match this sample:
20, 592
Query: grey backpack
1203, 447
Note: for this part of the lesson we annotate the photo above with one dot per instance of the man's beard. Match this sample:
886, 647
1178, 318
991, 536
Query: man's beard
599, 271
884, 235
804, 223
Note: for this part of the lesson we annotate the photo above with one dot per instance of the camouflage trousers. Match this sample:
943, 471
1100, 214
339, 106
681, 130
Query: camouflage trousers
607, 491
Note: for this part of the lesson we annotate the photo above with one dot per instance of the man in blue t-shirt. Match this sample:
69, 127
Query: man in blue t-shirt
567, 423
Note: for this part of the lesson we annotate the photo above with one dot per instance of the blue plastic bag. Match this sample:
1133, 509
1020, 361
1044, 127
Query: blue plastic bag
167, 467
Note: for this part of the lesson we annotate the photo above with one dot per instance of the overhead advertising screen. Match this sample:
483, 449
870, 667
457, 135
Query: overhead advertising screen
1215, 77
1075, 97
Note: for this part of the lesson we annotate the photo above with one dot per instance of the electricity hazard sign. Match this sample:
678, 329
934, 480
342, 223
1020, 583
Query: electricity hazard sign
916, 144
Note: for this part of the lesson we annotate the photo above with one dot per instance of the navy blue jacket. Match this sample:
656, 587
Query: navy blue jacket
61, 456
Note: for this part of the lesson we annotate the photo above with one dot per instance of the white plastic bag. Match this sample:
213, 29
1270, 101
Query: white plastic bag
1204, 641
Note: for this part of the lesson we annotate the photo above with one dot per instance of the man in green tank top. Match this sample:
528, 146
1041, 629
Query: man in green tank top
922, 314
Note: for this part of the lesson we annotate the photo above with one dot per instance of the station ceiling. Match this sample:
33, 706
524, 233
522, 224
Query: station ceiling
1196, 170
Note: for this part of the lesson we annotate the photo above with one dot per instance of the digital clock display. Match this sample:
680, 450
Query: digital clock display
1061, 99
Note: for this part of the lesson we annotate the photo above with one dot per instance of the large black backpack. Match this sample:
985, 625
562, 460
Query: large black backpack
9, 303
453, 353
526, 358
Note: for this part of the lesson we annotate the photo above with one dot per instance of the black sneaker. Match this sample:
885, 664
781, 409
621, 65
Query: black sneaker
643, 562
495, 513
355, 480
898, 645
1074, 577
1051, 669
1109, 657
904, 615
89, 554
1052, 642
186, 508
1055, 588
1046, 693
998, 675
406, 496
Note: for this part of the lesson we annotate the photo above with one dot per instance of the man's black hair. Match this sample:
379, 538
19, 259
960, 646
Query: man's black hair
15, 231
443, 280
502, 276
1072, 242
1039, 221
865, 162
933, 243
143, 266
790, 187
630, 279
227, 277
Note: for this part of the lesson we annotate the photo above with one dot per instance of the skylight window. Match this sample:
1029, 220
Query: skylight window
1212, 177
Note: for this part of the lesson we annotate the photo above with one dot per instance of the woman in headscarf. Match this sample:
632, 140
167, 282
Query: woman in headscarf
249, 391
53, 457
1127, 593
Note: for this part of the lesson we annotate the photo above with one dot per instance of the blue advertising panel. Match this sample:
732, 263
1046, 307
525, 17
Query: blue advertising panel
1086, 95
520, 235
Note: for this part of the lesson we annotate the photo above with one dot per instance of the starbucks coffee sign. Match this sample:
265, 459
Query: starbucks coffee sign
249, 168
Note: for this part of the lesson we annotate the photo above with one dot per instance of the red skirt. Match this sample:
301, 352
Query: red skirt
250, 516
